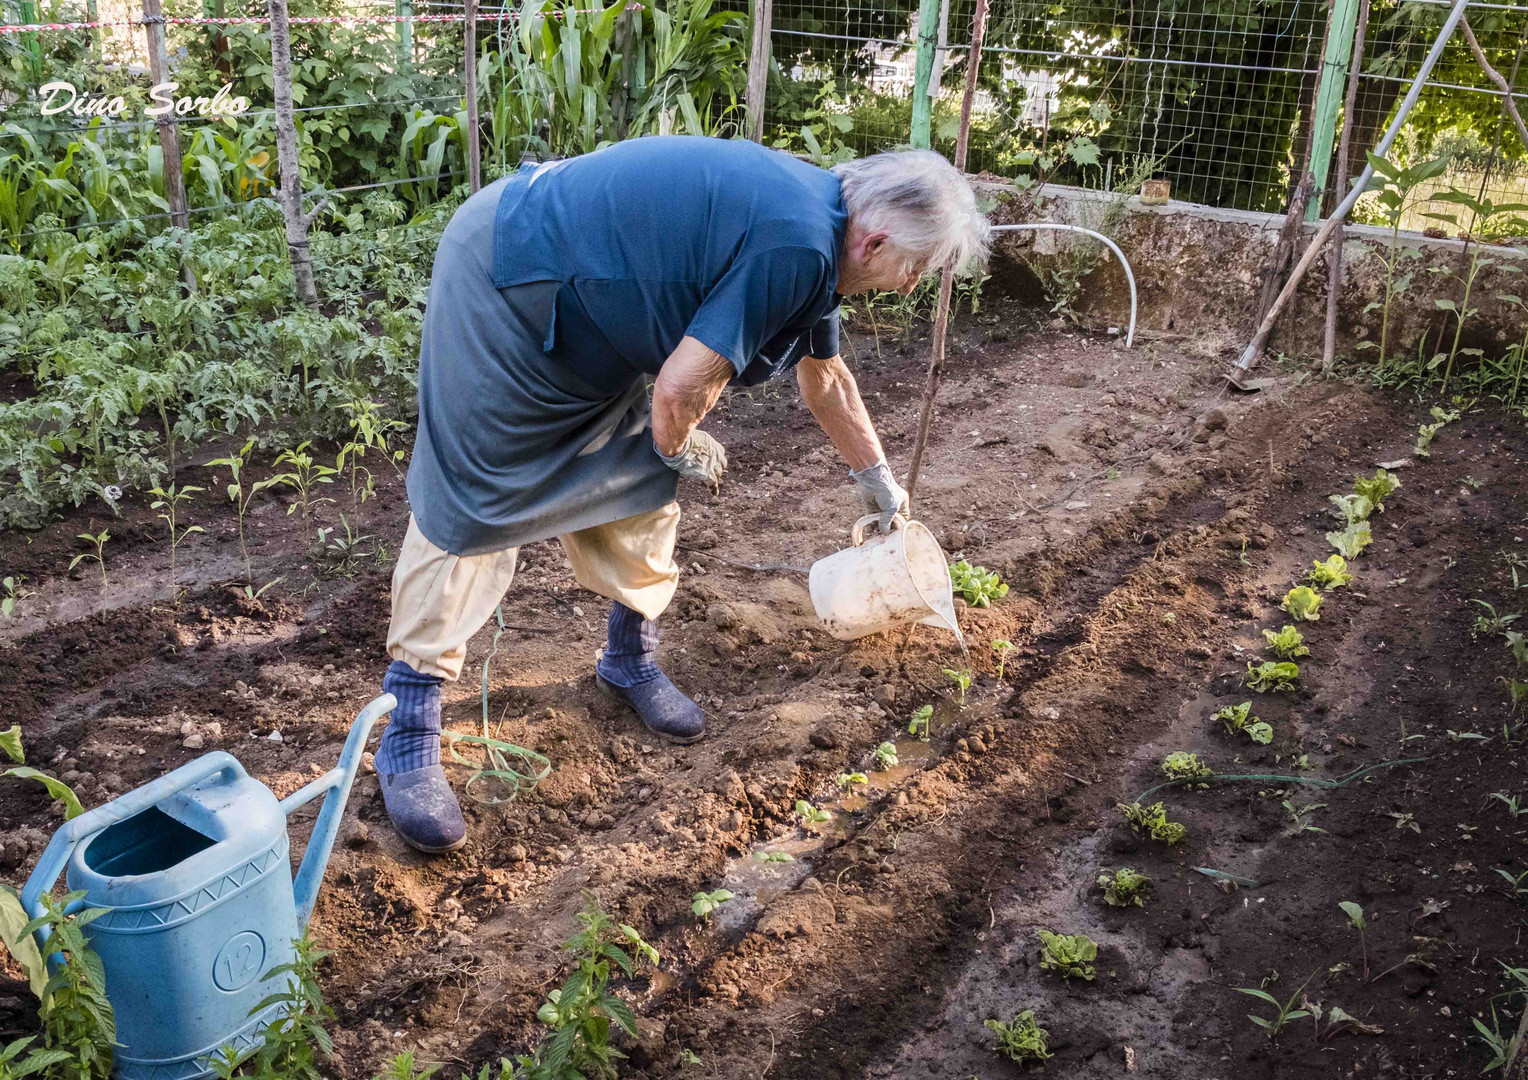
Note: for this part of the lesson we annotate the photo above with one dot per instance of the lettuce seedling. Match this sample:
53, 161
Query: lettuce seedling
1152, 821
1350, 542
886, 755
773, 857
962, 681
1303, 602
707, 902
1270, 676
1068, 955
1125, 887
977, 585
918, 725
1021, 1039
1180, 765
1287, 644
1239, 719
1376, 488
1352, 508
1001, 647
1330, 574
847, 780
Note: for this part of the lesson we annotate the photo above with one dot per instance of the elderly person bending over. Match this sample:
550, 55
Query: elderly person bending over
555, 290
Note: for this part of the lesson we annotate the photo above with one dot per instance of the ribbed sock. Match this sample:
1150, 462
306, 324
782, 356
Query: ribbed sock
631, 648
412, 737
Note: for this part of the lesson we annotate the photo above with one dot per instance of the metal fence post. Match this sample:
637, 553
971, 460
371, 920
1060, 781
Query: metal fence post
169, 138
758, 68
928, 30
474, 150
26, 11
1334, 78
405, 12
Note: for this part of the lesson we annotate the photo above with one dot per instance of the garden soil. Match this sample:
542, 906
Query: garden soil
1148, 525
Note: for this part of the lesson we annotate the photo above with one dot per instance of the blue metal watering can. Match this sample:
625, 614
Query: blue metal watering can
194, 872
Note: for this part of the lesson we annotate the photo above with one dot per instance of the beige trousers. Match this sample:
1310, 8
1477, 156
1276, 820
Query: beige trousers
440, 600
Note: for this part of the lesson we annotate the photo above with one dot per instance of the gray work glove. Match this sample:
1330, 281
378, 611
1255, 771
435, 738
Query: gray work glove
881, 492
701, 457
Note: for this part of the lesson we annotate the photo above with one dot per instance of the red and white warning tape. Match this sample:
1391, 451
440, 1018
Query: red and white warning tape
495, 16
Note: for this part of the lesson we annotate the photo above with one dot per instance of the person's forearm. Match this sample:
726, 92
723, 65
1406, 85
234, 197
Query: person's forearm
830, 392
688, 384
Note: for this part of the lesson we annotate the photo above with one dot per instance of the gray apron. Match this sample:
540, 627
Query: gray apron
513, 446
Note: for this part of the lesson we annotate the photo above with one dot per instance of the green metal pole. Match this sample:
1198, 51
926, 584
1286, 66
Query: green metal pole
26, 11
1334, 78
928, 30
405, 9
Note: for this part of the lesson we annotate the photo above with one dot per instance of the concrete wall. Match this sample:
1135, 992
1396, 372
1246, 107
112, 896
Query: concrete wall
1197, 273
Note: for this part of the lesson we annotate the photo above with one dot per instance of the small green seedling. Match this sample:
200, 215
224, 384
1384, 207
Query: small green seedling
1356, 920
1516, 641
1300, 815
1350, 542
1287, 644
1351, 509
1376, 488
1283, 1013
977, 585
773, 857
1152, 821
886, 755
1181, 765
1517, 690
1405, 820
1001, 647
1427, 432
168, 504
14, 594
962, 681
1238, 719
1510, 802
707, 902
99, 554
1124, 887
1021, 1039
1069, 955
1518, 882
689, 1057
1271, 676
305, 475
847, 780
1330, 574
1500, 1045
1488, 623
918, 725
811, 815
1303, 603
241, 494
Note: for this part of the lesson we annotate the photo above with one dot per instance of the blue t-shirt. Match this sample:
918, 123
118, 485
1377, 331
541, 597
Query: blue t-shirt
660, 238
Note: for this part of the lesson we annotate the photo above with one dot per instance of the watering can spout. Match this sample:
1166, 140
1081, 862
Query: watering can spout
335, 787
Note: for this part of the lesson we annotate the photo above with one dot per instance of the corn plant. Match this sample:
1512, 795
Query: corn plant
98, 543
1022, 1039
241, 493
304, 474
962, 681
1287, 643
1001, 647
1069, 955
1300, 815
1394, 186
1356, 920
918, 725
1500, 1045
1487, 217
1490, 622
167, 502
1517, 354
1284, 1012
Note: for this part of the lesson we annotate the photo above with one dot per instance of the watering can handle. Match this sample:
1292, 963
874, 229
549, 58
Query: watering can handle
56, 855
858, 535
334, 785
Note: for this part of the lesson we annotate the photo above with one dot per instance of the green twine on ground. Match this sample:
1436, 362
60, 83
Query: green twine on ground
1311, 781
497, 751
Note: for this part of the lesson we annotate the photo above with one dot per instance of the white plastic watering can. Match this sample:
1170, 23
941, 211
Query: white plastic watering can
890, 580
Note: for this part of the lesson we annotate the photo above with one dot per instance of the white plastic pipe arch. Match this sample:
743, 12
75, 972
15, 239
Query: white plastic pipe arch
1112, 246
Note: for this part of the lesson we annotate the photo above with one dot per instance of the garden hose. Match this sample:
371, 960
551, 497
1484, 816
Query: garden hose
1101, 238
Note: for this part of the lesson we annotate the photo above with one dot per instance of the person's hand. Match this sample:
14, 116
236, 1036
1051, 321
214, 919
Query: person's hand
702, 457
881, 492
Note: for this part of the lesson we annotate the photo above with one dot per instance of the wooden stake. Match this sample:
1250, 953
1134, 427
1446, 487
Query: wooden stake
758, 68
1334, 269
289, 195
947, 274
474, 151
169, 139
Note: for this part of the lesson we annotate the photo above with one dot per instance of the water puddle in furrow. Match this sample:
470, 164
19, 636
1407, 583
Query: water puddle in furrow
774, 868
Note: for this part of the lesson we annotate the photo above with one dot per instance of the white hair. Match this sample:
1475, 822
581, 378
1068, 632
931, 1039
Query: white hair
924, 205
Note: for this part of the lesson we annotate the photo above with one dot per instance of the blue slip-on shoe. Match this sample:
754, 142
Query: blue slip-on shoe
628, 672
424, 810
